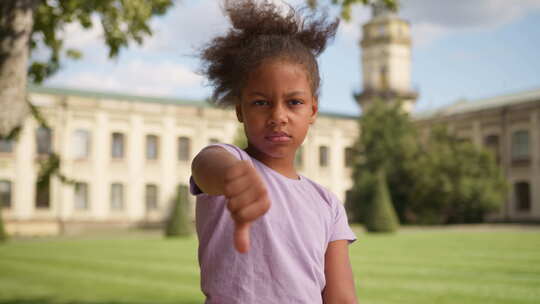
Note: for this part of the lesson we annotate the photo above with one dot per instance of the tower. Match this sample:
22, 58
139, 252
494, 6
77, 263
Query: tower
386, 59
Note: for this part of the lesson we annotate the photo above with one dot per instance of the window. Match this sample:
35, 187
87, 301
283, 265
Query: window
151, 197
81, 144
523, 196
152, 143
117, 148
117, 196
6, 146
5, 194
184, 148
520, 145
213, 141
349, 157
81, 196
323, 156
43, 193
44, 140
299, 157
491, 142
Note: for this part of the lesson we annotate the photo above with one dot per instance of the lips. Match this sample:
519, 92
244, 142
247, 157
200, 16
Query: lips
278, 137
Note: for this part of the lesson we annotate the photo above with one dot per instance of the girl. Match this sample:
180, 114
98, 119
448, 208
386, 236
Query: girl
266, 233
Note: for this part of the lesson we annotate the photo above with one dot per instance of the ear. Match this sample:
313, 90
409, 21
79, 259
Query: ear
238, 109
314, 110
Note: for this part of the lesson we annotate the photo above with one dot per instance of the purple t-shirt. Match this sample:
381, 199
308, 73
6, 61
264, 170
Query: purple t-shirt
285, 261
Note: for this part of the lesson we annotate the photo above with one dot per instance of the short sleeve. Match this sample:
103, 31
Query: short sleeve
340, 229
234, 150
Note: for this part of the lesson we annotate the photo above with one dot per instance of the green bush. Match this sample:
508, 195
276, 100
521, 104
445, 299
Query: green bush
381, 216
3, 233
179, 222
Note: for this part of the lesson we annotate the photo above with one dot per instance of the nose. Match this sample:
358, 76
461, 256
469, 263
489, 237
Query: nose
278, 115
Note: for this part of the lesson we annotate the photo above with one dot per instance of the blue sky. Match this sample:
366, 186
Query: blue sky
461, 49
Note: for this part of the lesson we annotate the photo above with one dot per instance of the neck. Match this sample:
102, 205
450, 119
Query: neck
282, 165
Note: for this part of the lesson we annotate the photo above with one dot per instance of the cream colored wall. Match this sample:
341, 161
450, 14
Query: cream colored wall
136, 120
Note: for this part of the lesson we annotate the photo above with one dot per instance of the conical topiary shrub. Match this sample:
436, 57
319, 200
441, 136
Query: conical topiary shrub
3, 233
179, 222
381, 216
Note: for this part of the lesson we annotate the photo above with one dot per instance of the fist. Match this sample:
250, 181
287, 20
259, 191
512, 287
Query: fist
247, 200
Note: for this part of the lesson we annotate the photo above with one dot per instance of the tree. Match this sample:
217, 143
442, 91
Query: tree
3, 233
465, 180
380, 215
436, 180
29, 24
178, 222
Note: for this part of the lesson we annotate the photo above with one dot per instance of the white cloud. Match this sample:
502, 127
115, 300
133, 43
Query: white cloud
135, 77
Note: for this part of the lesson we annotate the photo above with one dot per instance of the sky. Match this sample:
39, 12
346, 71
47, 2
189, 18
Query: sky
462, 49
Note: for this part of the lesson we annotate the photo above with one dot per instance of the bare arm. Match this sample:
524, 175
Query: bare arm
209, 168
339, 287
217, 172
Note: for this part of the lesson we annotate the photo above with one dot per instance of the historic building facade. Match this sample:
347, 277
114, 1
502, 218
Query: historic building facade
127, 156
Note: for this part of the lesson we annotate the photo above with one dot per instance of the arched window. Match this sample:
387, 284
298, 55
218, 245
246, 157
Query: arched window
520, 145
151, 197
5, 194
118, 145
44, 140
152, 146
184, 148
81, 144
323, 156
117, 196
81, 196
349, 157
523, 196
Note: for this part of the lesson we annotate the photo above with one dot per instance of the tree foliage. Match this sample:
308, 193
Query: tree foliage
178, 223
433, 180
380, 213
3, 233
122, 22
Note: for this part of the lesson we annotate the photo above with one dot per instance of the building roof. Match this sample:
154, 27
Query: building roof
138, 98
467, 106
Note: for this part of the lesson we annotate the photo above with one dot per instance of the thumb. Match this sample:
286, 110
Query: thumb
241, 237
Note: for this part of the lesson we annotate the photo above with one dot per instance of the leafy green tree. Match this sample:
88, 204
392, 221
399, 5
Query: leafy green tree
387, 142
455, 181
437, 180
179, 222
29, 24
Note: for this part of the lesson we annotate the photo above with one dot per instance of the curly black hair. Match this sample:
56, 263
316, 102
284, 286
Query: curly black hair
260, 31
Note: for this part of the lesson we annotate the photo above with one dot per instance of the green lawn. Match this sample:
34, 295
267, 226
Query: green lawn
415, 266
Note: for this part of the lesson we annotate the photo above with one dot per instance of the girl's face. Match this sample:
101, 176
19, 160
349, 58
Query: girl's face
277, 106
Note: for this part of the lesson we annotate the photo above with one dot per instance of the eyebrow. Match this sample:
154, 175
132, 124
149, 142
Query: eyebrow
293, 93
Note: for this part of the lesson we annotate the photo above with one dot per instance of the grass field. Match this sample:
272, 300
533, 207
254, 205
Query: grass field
480, 265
